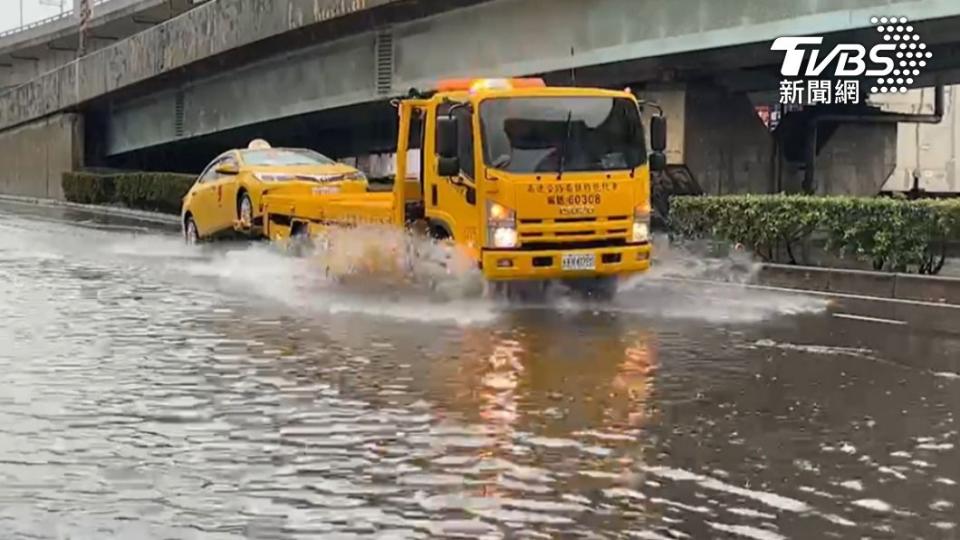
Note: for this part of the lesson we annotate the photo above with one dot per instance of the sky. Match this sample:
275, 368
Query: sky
33, 10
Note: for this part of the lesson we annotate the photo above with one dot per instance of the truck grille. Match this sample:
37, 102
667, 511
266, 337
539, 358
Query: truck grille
574, 231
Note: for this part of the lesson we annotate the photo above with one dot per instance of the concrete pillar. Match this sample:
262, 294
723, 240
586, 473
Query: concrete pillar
718, 136
853, 158
857, 160
33, 157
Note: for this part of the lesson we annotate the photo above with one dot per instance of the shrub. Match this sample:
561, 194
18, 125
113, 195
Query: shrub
87, 188
890, 234
160, 192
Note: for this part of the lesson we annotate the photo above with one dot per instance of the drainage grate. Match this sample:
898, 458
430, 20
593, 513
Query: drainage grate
384, 63
178, 115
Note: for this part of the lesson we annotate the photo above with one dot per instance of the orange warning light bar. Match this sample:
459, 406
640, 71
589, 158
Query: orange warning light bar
473, 85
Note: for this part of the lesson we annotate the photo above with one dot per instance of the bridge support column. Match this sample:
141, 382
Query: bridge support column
33, 157
717, 136
856, 160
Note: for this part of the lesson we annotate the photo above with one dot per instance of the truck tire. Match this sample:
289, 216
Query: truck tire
520, 291
603, 288
299, 245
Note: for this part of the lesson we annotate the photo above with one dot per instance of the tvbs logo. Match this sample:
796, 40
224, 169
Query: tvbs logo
848, 59
895, 62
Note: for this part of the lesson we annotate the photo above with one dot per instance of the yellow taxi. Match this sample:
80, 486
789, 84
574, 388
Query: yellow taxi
228, 195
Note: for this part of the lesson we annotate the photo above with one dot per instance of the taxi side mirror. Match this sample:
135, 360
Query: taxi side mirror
448, 137
658, 133
228, 169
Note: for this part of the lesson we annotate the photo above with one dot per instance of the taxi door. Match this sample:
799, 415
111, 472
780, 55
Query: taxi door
224, 191
203, 201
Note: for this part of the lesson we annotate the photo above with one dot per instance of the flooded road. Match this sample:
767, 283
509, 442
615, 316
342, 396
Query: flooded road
152, 390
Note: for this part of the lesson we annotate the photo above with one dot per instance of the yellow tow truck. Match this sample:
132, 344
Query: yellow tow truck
532, 183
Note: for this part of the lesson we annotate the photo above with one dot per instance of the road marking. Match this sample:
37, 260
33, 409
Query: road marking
810, 292
868, 319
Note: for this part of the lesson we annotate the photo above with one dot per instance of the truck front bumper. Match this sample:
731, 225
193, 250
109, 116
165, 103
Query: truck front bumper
548, 264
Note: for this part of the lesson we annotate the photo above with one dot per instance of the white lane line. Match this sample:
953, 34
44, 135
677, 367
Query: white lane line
809, 292
868, 319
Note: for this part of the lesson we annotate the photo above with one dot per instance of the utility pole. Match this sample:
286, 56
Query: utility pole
21, 13
86, 13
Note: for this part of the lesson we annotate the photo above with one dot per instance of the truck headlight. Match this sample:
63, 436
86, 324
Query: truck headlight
501, 226
641, 226
504, 237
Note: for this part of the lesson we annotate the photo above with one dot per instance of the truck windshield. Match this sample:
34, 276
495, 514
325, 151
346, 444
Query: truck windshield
556, 134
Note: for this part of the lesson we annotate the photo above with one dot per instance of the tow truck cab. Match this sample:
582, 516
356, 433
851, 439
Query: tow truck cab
534, 182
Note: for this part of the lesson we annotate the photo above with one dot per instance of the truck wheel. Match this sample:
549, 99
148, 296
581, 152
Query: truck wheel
190, 233
245, 210
521, 291
299, 240
599, 288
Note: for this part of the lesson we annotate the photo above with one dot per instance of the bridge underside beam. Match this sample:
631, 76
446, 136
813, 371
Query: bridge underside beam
607, 41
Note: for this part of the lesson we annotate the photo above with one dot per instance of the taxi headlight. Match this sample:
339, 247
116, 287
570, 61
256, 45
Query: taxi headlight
274, 177
355, 176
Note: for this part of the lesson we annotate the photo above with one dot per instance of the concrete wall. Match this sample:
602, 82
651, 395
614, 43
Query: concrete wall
19, 70
857, 159
492, 37
35, 50
930, 151
34, 157
728, 149
208, 30
321, 77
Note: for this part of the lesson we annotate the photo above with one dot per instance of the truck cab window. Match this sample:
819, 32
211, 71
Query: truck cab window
465, 151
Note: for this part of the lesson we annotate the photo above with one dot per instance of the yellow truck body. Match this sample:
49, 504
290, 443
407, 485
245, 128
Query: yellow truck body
531, 182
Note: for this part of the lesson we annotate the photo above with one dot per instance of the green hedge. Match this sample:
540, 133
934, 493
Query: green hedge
158, 192
891, 234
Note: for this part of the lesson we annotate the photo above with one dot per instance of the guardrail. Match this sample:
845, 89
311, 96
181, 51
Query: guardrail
65, 15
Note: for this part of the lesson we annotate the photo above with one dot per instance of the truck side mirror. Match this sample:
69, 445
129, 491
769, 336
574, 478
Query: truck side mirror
658, 133
448, 133
658, 162
448, 166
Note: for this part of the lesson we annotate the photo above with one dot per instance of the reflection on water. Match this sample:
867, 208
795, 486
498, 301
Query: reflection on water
143, 398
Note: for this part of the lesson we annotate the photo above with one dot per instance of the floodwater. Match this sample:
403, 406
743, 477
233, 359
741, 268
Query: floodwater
151, 390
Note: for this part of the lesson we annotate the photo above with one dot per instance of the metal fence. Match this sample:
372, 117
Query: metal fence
60, 16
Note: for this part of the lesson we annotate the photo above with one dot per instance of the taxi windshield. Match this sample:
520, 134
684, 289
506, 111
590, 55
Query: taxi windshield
550, 134
279, 157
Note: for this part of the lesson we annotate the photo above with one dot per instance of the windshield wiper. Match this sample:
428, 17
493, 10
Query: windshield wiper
563, 150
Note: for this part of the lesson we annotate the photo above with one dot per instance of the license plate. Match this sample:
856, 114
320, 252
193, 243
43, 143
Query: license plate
578, 261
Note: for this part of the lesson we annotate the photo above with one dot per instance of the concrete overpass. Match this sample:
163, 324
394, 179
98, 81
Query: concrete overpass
217, 73
41, 46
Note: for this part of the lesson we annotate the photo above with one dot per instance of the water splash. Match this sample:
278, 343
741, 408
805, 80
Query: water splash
691, 281
382, 271
367, 270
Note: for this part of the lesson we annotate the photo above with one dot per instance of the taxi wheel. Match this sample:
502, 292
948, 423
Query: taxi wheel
190, 233
245, 210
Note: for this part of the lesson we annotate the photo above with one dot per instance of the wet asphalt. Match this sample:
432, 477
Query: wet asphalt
155, 390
